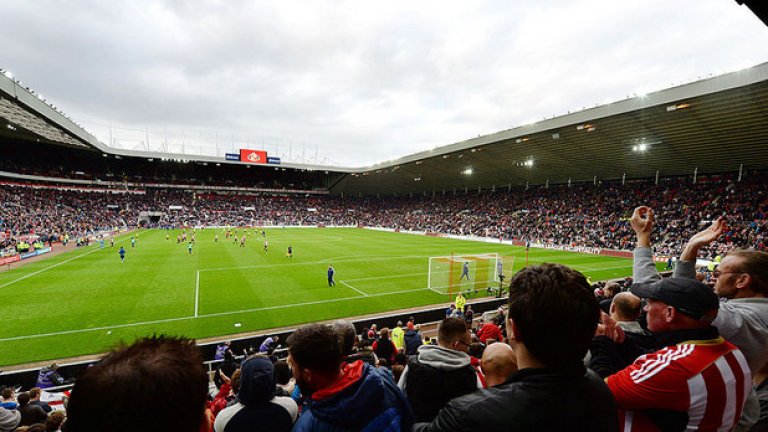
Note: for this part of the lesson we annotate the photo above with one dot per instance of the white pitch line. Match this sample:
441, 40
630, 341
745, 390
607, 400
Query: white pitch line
350, 286
197, 292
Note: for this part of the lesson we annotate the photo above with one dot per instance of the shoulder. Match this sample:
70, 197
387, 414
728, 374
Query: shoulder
226, 415
288, 404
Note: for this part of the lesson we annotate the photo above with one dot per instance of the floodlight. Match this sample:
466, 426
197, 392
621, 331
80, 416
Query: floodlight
467, 171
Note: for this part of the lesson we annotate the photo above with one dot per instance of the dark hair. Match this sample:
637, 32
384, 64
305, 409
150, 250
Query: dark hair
54, 421
23, 399
754, 263
476, 350
451, 330
401, 359
397, 371
282, 372
7, 393
158, 384
544, 298
346, 334
315, 347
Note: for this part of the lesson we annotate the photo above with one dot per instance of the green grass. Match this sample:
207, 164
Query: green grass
85, 301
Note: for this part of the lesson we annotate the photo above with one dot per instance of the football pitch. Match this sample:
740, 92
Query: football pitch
86, 300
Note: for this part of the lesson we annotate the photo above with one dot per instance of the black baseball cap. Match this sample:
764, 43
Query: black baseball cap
688, 296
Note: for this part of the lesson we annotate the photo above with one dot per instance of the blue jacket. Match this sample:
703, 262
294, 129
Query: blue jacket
371, 404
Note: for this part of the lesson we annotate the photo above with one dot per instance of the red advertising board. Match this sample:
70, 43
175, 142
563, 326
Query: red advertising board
253, 156
8, 260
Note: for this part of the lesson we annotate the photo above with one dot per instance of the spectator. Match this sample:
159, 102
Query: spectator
156, 384
342, 396
697, 373
284, 379
8, 399
269, 344
552, 390
9, 419
49, 377
498, 363
742, 279
469, 315
609, 291
413, 339
35, 393
624, 312
347, 335
440, 372
742, 322
225, 370
257, 405
364, 353
54, 421
489, 330
398, 336
30, 414
383, 347
221, 349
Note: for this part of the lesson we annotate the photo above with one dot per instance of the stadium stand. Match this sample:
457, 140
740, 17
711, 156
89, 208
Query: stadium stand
582, 215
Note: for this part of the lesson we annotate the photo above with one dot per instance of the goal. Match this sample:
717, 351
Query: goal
446, 272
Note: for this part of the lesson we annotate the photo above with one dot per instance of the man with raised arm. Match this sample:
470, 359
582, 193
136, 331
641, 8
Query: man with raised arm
698, 380
742, 280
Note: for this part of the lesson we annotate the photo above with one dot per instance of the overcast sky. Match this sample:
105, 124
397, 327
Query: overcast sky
356, 82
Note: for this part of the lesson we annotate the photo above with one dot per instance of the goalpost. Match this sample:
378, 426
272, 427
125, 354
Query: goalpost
446, 273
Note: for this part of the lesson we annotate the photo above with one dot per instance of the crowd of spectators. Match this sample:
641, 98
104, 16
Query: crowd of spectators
582, 215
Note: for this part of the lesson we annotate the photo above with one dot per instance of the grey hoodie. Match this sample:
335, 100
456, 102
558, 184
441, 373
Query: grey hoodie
9, 419
439, 358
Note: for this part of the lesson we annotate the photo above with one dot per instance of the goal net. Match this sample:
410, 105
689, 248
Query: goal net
473, 273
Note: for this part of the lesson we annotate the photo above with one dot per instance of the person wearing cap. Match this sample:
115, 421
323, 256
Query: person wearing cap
698, 380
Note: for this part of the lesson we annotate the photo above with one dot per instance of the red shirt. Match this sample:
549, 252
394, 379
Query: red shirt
709, 380
489, 331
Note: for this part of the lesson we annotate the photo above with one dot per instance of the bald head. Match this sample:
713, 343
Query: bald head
498, 363
625, 307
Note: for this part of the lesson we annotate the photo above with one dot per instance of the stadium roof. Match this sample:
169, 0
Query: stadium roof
709, 126
714, 125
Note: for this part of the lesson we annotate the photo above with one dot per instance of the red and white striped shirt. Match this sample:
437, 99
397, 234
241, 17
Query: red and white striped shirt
710, 380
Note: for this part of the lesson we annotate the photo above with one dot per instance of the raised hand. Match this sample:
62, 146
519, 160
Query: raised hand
642, 222
703, 238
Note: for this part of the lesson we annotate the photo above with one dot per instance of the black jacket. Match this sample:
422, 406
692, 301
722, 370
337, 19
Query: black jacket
572, 399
